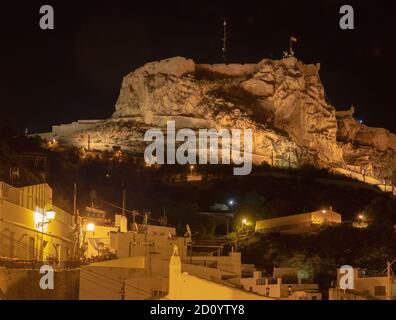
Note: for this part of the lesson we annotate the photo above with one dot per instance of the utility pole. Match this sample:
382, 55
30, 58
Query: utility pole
389, 272
164, 219
389, 278
133, 217
77, 223
123, 202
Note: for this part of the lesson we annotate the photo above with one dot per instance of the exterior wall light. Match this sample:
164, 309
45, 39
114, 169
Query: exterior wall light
51, 215
90, 227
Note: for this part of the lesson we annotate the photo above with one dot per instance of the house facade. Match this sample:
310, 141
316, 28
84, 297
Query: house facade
31, 227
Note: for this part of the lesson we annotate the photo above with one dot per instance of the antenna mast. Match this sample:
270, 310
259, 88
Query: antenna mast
224, 48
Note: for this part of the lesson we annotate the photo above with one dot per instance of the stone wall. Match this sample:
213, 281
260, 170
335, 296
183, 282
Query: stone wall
24, 285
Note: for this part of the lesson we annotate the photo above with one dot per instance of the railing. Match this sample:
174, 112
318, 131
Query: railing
14, 263
202, 263
18, 264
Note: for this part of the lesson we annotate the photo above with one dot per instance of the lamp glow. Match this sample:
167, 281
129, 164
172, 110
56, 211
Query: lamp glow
90, 227
51, 215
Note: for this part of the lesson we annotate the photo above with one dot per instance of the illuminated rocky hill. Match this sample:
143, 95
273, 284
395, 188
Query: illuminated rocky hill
283, 101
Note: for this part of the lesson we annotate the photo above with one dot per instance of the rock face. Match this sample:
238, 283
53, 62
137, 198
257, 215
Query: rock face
373, 149
285, 95
282, 101
139, 92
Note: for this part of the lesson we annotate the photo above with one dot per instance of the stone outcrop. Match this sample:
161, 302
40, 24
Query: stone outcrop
282, 101
284, 95
373, 149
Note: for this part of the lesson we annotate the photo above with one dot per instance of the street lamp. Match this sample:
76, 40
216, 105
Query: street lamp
51, 215
191, 169
90, 227
244, 223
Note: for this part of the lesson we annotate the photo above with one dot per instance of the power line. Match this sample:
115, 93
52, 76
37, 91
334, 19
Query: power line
142, 215
142, 292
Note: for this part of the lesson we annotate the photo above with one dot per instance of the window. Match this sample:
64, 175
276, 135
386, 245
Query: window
67, 253
2, 244
260, 282
58, 249
31, 248
155, 293
380, 291
12, 245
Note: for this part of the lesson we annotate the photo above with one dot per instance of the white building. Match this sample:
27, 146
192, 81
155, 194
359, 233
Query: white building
31, 227
96, 230
366, 287
142, 267
282, 285
300, 223
186, 286
141, 270
64, 130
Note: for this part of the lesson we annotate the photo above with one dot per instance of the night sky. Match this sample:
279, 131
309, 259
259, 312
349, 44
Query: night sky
75, 71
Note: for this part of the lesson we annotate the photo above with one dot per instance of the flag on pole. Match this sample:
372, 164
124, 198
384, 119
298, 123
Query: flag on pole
293, 39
